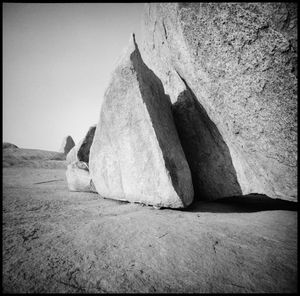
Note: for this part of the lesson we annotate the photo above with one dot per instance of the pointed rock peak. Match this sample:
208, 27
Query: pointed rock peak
132, 44
134, 41
127, 51
67, 144
136, 154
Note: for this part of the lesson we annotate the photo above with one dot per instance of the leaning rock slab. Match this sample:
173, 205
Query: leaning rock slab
78, 177
83, 153
238, 61
72, 155
67, 145
136, 153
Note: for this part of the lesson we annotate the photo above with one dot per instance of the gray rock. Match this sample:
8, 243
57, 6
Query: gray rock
7, 145
83, 153
78, 177
136, 154
72, 155
67, 145
230, 70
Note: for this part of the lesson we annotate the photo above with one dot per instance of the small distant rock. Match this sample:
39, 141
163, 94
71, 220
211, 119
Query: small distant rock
67, 145
83, 153
7, 145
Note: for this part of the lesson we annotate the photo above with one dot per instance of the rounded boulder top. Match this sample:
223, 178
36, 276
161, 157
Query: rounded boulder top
8, 145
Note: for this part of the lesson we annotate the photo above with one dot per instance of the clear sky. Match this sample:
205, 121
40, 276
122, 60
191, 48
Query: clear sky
57, 61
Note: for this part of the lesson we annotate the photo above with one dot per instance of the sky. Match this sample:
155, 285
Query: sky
57, 62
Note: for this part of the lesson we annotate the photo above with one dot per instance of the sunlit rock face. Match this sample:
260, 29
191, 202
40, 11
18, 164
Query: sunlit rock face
67, 145
136, 153
230, 70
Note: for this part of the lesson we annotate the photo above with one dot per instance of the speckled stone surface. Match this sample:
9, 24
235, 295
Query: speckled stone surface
239, 62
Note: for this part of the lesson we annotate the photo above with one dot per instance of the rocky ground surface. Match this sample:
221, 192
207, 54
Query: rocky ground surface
59, 241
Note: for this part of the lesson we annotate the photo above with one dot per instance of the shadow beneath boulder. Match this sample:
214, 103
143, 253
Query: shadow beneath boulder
206, 152
243, 204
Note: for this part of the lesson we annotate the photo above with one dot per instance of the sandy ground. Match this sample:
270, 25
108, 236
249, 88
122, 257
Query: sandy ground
60, 241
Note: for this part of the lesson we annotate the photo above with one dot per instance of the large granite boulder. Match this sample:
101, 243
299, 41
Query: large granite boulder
78, 177
67, 145
136, 154
230, 70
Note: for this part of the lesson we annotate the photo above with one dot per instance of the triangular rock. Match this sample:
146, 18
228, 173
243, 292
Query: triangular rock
72, 155
136, 154
67, 145
83, 153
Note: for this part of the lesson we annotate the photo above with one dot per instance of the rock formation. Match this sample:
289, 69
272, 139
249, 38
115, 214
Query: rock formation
78, 177
230, 70
67, 145
83, 153
72, 155
8, 145
136, 154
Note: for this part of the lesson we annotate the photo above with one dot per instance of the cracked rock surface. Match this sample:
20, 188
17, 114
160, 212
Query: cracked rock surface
239, 60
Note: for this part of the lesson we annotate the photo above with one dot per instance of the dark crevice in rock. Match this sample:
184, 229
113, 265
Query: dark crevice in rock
165, 30
206, 152
83, 153
149, 83
153, 46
